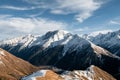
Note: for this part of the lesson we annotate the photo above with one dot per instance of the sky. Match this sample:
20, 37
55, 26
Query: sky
22, 17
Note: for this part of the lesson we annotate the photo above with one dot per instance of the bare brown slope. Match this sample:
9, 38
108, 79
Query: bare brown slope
12, 67
92, 73
100, 73
50, 75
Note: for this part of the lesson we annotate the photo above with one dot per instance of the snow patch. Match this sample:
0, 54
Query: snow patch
118, 36
2, 53
99, 50
33, 76
1, 62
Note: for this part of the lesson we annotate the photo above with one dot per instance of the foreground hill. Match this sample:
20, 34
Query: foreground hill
92, 73
13, 68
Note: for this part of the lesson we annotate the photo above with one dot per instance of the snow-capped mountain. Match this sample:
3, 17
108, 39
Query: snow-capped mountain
13, 68
63, 50
92, 73
30, 40
109, 41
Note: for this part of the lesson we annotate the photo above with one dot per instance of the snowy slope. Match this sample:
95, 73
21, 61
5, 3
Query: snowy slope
43, 75
33, 76
24, 40
30, 40
109, 41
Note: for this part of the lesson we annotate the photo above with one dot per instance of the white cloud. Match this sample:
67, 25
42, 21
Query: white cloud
18, 8
114, 22
4, 16
82, 9
78, 30
29, 25
83, 16
81, 29
38, 2
17, 23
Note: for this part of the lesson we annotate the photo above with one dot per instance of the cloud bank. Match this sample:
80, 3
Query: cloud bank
82, 9
10, 25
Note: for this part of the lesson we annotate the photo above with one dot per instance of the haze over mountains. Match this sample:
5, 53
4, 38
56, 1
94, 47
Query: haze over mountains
68, 51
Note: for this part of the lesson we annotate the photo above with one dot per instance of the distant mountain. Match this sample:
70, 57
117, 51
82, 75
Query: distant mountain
92, 73
110, 41
94, 34
63, 50
13, 68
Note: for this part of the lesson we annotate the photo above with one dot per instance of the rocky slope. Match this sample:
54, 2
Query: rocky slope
92, 73
13, 68
43, 75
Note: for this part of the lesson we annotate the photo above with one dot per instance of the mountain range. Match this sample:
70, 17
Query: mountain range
68, 51
109, 41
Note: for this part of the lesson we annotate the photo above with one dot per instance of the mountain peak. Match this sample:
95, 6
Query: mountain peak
60, 31
56, 32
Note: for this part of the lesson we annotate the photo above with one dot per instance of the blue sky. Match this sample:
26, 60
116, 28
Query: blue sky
21, 17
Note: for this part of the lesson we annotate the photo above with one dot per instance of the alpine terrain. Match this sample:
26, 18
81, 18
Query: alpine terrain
92, 73
63, 50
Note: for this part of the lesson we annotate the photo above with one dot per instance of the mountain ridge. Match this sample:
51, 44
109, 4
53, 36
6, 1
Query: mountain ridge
12, 67
109, 41
91, 73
